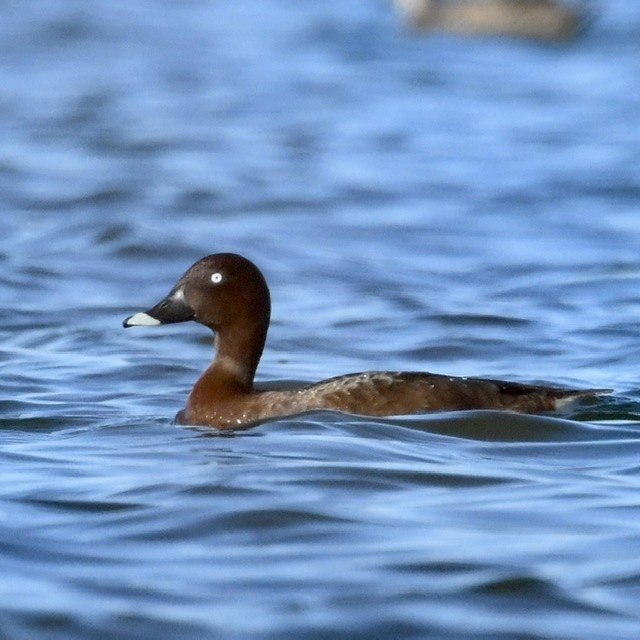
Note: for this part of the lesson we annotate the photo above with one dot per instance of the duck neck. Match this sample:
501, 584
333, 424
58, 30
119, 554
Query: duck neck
238, 351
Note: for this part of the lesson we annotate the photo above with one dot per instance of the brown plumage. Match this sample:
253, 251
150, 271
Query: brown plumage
227, 293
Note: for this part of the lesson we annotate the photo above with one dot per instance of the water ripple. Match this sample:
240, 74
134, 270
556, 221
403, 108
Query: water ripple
415, 204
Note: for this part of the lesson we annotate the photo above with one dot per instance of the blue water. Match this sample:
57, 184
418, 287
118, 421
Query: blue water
434, 203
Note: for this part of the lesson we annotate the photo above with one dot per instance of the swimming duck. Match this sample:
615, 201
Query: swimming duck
229, 294
537, 19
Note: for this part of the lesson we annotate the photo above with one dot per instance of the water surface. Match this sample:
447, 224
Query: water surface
423, 203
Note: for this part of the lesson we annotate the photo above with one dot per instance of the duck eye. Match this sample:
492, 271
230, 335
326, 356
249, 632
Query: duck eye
216, 277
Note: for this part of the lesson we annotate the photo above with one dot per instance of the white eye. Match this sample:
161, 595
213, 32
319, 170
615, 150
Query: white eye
216, 277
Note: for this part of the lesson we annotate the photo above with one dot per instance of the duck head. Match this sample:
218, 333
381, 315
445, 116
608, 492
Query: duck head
226, 293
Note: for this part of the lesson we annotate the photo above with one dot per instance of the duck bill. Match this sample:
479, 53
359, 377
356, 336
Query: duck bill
172, 309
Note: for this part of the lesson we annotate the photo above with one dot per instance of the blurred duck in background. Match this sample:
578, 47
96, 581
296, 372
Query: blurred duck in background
536, 19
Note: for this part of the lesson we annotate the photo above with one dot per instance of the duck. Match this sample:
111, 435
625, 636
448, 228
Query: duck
534, 19
228, 294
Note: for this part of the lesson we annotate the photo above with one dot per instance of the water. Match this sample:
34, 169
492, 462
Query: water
461, 206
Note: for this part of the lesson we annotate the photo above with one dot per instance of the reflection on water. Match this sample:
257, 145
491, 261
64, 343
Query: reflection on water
415, 203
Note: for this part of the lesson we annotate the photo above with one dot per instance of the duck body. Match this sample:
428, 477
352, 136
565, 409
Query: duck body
228, 293
373, 393
535, 19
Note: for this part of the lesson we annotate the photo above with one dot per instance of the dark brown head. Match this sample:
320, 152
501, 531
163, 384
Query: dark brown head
228, 294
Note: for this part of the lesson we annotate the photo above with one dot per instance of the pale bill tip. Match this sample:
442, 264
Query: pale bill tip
141, 320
